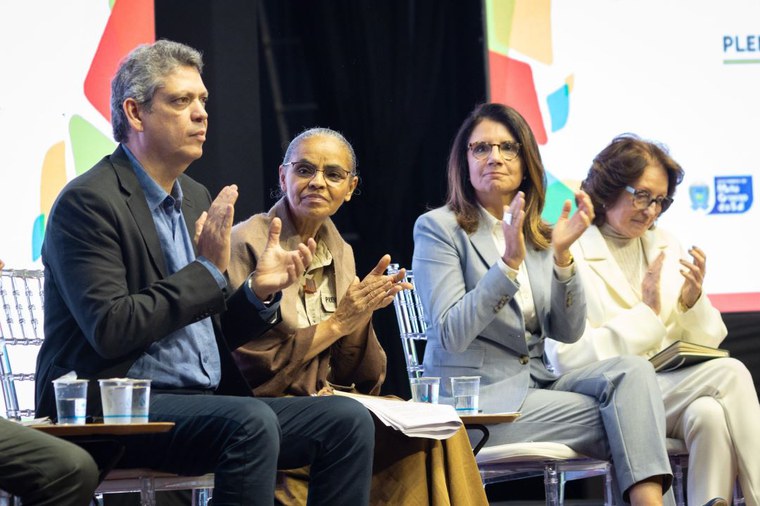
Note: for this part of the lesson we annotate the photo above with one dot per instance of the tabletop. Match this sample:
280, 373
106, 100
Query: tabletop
489, 418
108, 429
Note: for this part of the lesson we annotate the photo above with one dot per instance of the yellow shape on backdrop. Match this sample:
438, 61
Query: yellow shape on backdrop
523, 25
499, 22
53, 176
532, 29
570, 82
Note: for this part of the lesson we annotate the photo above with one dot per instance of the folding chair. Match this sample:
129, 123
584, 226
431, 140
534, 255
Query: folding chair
679, 462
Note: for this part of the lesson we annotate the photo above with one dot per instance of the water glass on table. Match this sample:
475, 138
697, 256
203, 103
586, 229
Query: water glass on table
140, 400
466, 391
425, 389
71, 400
116, 397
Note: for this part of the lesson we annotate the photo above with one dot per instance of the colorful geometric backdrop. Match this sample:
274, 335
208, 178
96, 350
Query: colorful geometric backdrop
131, 22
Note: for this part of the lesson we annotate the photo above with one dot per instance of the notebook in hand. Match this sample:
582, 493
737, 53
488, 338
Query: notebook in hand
682, 354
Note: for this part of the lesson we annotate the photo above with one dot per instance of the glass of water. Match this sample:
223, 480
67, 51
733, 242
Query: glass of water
425, 389
71, 400
466, 390
140, 400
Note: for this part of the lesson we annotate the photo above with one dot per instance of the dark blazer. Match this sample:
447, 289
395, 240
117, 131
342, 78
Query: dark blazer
108, 294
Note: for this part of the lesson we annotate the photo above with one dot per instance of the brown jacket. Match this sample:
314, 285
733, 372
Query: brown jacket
406, 471
274, 363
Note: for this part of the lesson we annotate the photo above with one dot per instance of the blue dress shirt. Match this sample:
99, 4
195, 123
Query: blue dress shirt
188, 357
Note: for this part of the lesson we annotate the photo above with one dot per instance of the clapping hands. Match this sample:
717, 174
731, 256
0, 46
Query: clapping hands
650, 285
213, 228
278, 268
512, 226
362, 298
694, 274
568, 229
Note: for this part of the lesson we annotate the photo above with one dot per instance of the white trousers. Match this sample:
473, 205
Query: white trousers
714, 408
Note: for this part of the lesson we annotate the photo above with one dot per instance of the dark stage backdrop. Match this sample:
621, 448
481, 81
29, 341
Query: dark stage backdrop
227, 34
397, 77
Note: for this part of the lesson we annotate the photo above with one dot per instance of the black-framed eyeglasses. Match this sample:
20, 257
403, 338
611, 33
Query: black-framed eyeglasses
334, 176
642, 199
508, 149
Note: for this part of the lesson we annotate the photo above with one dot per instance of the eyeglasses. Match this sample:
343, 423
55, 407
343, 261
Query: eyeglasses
642, 199
334, 176
508, 149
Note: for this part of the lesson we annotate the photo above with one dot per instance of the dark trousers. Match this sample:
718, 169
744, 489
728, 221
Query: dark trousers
44, 470
244, 440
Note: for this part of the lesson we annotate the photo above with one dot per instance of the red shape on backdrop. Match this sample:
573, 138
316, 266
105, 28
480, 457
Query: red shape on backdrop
512, 84
132, 22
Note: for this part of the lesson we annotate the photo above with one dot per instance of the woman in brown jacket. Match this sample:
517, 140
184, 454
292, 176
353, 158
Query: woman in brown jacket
326, 339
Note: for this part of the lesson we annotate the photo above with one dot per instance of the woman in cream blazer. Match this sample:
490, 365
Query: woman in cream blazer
644, 293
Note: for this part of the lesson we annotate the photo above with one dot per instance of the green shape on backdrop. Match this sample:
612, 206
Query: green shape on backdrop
499, 16
38, 234
88, 144
556, 195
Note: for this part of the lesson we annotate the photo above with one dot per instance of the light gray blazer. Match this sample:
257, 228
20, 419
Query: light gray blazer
476, 326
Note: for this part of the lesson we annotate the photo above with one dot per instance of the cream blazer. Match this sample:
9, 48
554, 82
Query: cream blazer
618, 322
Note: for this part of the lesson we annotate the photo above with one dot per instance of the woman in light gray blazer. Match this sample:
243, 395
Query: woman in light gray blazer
496, 281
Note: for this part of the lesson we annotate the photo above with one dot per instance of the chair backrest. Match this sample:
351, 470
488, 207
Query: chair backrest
411, 323
21, 334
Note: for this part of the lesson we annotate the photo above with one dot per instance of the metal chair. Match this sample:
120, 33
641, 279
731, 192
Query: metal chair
556, 462
679, 462
21, 334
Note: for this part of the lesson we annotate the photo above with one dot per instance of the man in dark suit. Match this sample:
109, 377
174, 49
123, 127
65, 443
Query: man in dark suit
129, 292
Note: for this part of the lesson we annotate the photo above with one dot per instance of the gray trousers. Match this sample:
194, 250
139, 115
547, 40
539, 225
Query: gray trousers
610, 410
44, 470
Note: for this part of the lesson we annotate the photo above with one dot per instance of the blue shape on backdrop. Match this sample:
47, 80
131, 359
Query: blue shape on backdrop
733, 194
699, 195
559, 107
38, 233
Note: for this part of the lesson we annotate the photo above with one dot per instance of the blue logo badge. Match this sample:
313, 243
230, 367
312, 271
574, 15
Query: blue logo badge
733, 195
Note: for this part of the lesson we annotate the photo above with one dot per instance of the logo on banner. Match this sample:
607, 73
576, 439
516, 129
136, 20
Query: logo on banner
741, 49
732, 195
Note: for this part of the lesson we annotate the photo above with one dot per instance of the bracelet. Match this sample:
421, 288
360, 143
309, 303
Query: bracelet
568, 264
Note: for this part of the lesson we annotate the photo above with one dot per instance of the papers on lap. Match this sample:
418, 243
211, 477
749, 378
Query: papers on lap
415, 419
682, 354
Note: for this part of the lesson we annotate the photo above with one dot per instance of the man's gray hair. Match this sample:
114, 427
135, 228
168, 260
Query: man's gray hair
319, 131
142, 72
